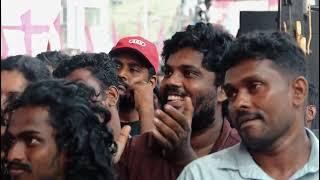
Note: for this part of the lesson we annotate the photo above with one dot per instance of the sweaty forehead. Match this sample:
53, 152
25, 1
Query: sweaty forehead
30, 118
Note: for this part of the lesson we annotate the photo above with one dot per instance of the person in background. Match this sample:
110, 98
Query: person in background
52, 58
266, 87
312, 108
137, 62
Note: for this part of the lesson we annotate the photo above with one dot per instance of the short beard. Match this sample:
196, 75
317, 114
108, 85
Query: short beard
204, 112
126, 103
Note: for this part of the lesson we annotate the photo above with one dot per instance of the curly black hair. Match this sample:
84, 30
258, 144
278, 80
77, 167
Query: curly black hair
53, 58
81, 131
31, 68
211, 40
278, 47
99, 64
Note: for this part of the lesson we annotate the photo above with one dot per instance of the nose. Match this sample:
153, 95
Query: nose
122, 74
175, 79
16, 152
242, 100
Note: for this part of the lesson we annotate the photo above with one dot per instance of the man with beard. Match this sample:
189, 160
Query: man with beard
56, 132
190, 124
266, 88
137, 63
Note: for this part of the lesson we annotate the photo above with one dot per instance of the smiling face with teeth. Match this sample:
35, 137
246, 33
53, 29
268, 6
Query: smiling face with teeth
185, 76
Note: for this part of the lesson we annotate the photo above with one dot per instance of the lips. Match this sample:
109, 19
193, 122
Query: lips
16, 171
245, 119
176, 101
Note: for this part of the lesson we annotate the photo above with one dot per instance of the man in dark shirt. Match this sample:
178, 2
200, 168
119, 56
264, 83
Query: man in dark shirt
190, 124
137, 63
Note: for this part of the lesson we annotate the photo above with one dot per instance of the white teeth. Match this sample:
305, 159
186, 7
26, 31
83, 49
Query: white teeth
174, 98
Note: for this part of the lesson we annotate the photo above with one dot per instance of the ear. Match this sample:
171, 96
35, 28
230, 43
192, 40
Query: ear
300, 91
221, 95
112, 95
311, 112
153, 80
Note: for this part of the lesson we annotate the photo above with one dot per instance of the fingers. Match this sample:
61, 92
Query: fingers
185, 118
161, 139
121, 142
165, 120
166, 131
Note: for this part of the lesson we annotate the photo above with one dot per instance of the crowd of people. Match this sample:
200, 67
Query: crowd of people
219, 107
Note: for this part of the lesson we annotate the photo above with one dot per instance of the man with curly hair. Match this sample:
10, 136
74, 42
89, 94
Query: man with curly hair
266, 86
190, 124
55, 131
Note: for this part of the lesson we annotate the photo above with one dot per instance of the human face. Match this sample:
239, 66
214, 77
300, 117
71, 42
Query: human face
260, 104
84, 76
185, 76
131, 70
12, 84
32, 152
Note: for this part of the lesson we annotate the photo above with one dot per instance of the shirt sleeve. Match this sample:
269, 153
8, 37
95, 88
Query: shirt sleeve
189, 173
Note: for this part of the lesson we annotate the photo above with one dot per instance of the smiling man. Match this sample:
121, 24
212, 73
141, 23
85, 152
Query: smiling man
266, 88
190, 124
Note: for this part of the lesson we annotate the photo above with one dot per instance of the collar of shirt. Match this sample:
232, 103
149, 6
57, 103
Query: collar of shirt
240, 160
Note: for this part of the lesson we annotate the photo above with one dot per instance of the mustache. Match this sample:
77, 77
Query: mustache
174, 90
18, 165
244, 115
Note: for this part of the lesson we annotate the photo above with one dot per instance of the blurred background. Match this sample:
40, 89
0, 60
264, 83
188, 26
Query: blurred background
33, 26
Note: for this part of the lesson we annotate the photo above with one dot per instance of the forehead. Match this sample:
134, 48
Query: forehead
185, 56
252, 68
130, 58
30, 118
12, 81
84, 76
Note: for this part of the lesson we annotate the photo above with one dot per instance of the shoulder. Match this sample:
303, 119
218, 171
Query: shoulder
211, 166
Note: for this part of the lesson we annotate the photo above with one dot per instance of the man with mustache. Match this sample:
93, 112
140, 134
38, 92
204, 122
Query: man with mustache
137, 63
17, 72
190, 124
267, 90
55, 131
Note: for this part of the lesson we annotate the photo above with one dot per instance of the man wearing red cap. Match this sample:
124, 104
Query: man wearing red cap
137, 62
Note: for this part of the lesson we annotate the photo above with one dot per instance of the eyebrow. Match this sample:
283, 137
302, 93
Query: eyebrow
25, 133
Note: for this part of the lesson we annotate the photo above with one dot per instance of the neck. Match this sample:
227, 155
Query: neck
203, 141
285, 156
129, 116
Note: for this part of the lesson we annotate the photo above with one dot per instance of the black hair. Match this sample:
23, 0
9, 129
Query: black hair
99, 64
277, 47
313, 94
135, 55
53, 58
32, 68
80, 126
211, 40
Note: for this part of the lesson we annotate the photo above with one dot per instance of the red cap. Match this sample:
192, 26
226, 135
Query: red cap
140, 45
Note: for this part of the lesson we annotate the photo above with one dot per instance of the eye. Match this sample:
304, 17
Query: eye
31, 141
135, 69
118, 66
230, 92
254, 87
167, 72
190, 74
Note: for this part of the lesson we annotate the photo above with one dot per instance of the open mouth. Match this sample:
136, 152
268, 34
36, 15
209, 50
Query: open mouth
176, 101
